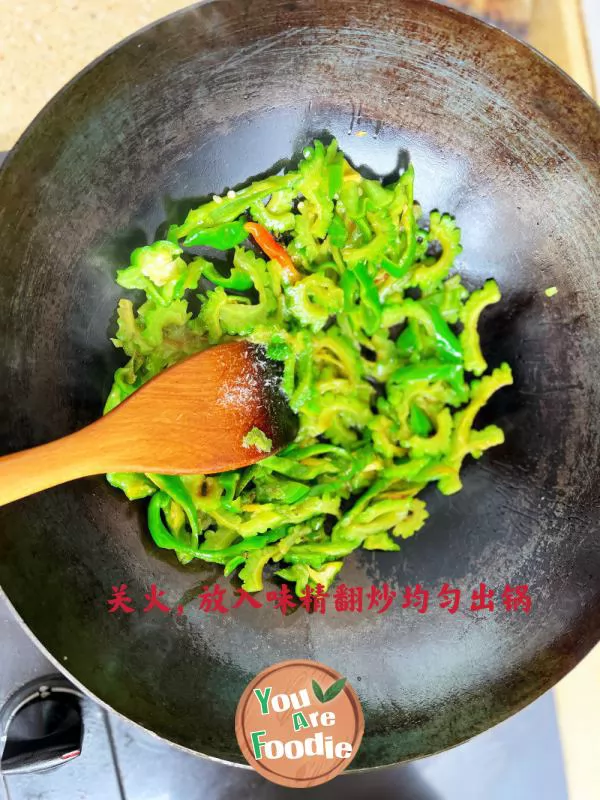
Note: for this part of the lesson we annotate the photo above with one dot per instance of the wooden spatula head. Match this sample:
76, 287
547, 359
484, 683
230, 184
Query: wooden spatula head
193, 417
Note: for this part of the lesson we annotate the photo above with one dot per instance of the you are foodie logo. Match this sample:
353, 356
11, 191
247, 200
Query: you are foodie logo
299, 723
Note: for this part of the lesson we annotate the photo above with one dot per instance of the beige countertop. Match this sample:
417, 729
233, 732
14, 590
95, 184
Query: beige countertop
44, 43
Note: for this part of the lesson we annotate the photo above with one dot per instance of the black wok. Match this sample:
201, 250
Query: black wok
203, 101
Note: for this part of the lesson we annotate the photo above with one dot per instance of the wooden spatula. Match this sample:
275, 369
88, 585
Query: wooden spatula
192, 418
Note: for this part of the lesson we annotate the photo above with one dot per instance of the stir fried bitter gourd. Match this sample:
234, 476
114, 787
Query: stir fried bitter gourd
346, 283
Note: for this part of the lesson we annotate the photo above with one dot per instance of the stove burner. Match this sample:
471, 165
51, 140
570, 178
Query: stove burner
41, 726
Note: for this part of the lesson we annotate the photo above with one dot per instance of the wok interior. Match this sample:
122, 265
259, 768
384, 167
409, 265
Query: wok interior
206, 101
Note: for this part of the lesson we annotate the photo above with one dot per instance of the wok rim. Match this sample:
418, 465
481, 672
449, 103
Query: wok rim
466, 18
557, 73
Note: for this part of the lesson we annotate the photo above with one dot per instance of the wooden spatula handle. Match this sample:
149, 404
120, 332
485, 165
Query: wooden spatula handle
39, 468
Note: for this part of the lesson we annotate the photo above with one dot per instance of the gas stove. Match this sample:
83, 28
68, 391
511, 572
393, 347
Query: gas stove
67, 747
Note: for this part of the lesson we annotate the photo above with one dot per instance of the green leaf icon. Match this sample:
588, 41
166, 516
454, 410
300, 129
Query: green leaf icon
331, 693
318, 692
334, 690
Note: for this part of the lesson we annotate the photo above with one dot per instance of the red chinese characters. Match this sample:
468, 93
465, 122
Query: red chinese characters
120, 601
344, 599
211, 599
314, 599
282, 599
348, 598
381, 599
154, 600
417, 597
247, 598
482, 599
516, 598
450, 598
